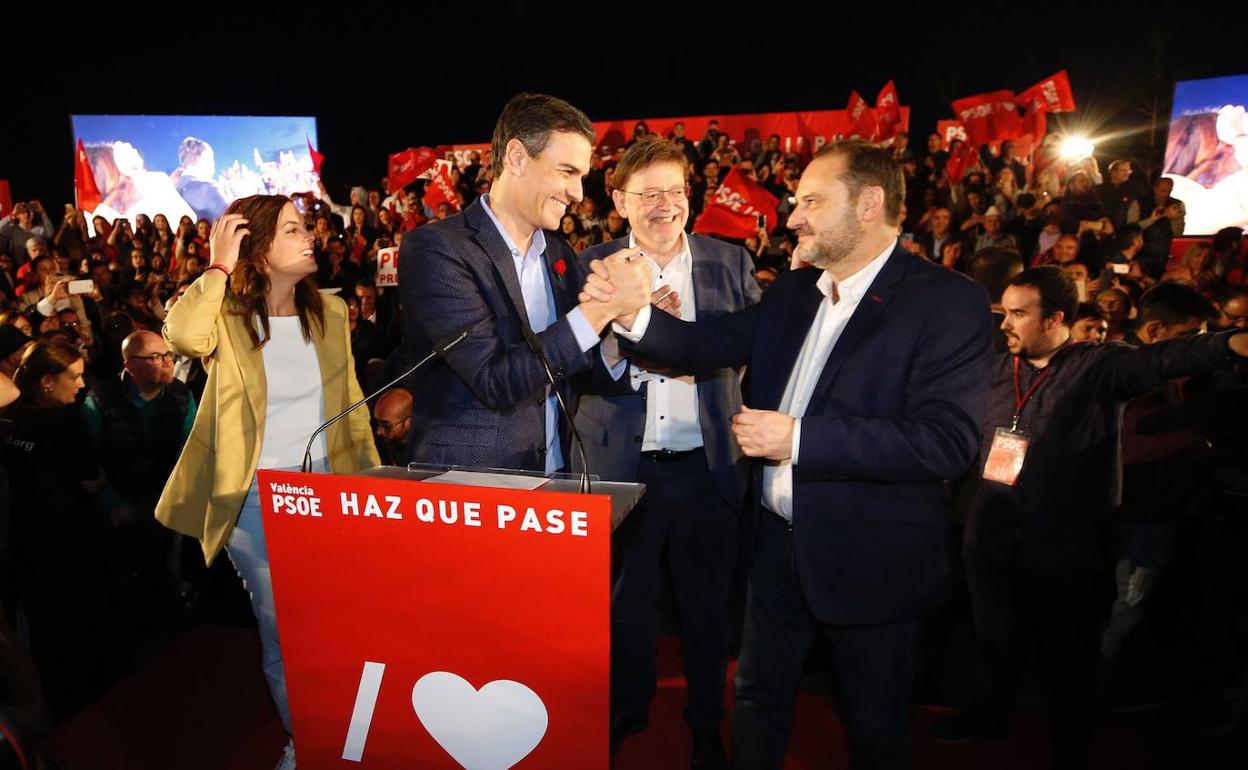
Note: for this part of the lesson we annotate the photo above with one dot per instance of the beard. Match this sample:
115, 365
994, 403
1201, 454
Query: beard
832, 247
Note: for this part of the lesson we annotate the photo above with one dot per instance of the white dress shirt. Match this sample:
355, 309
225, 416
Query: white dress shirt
671, 402
838, 306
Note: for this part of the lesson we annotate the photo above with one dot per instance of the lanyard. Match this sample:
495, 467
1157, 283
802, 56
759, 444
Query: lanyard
1020, 398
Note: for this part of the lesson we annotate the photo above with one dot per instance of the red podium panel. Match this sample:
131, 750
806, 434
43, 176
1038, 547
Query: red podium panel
438, 626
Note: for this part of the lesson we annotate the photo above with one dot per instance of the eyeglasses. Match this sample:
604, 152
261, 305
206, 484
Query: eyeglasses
388, 424
167, 356
652, 197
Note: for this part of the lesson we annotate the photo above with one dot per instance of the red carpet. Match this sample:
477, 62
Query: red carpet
204, 706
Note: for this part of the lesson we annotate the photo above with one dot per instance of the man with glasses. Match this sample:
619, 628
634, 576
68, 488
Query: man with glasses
139, 422
671, 430
392, 419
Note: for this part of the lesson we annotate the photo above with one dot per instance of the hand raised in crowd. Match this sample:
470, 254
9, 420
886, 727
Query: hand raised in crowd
226, 236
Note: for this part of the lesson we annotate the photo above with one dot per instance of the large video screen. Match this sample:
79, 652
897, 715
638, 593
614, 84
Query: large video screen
193, 165
1207, 152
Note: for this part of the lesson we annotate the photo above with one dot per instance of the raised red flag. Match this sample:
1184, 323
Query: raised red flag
1052, 94
950, 130
989, 117
85, 190
1033, 129
734, 211
441, 189
317, 158
862, 116
888, 111
961, 161
407, 166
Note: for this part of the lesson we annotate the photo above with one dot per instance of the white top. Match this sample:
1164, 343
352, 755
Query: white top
296, 401
840, 302
671, 402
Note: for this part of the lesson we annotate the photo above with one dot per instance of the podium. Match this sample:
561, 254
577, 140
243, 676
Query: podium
441, 617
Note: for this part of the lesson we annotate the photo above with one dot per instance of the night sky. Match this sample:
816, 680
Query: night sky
377, 88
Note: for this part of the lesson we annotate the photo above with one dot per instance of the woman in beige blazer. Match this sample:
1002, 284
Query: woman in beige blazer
261, 325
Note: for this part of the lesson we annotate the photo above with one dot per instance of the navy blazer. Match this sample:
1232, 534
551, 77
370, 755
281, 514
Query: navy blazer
896, 412
613, 423
484, 404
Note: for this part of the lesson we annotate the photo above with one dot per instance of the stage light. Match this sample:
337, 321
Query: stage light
1077, 148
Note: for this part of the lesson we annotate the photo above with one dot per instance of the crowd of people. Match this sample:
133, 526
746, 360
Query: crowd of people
99, 407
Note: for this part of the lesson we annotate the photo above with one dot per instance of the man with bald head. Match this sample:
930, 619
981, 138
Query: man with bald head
139, 421
392, 419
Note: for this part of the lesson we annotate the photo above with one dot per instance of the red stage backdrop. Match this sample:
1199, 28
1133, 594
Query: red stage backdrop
438, 626
800, 132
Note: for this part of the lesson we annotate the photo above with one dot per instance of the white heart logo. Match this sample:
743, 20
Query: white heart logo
488, 729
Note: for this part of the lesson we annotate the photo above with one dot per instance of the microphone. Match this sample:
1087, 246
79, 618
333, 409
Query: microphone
438, 350
538, 350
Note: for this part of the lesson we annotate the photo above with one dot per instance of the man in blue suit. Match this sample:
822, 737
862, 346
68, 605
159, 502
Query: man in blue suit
671, 431
500, 269
869, 374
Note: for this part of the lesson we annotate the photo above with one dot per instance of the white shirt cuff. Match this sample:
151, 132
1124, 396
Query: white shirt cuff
797, 440
639, 326
46, 308
586, 338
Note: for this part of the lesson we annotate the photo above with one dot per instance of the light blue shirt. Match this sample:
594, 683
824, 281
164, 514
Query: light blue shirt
539, 306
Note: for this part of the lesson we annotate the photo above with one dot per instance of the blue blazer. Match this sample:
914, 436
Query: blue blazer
613, 423
484, 404
896, 412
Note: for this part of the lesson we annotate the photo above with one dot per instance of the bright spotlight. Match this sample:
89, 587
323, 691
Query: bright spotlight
1077, 148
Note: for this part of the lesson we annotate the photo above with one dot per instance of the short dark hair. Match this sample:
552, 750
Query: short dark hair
645, 152
868, 165
531, 118
1057, 290
1173, 303
993, 268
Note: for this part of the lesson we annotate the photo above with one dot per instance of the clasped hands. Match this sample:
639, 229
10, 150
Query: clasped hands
619, 286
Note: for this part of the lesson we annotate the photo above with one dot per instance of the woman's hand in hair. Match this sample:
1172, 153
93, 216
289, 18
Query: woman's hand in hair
227, 234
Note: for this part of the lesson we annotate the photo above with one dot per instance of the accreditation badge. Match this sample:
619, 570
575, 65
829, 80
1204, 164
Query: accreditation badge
1005, 457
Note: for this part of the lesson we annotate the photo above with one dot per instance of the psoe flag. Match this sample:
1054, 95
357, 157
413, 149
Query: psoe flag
734, 211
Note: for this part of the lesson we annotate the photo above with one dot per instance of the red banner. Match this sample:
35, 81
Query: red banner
441, 189
862, 116
438, 626
1053, 94
989, 117
459, 153
86, 192
407, 166
888, 110
6, 199
800, 132
950, 130
734, 212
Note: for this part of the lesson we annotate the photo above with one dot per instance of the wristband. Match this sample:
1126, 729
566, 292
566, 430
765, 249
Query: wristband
221, 267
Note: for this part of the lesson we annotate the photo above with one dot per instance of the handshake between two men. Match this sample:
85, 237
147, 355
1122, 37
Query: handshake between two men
616, 290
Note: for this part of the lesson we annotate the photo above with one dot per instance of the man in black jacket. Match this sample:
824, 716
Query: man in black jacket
1039, 545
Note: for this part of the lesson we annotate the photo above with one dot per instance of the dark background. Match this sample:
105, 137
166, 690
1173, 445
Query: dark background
380, 85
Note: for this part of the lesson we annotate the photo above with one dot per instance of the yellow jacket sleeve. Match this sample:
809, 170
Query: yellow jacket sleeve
191, 326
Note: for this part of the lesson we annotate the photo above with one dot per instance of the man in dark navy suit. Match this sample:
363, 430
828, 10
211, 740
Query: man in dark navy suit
671, 430
869, 374
500, 269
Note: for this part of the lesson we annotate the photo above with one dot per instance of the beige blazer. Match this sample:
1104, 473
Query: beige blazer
207, 488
